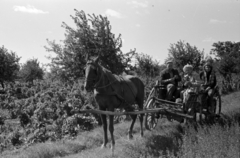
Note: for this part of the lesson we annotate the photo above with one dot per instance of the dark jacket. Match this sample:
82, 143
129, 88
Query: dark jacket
209, 79
165, 75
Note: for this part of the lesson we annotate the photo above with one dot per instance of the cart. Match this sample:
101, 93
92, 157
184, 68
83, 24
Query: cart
195, 107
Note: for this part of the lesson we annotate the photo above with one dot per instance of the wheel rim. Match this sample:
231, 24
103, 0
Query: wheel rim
218, 104
150, 119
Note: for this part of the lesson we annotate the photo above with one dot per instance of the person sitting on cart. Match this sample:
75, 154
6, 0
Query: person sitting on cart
169, 78
210, 81
190, 84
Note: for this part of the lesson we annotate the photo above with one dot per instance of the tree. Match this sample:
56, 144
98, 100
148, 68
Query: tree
91, 37
31, 70
146, 66
183, 53
227, 55
9, 65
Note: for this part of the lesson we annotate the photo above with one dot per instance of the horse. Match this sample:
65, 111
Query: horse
112, 91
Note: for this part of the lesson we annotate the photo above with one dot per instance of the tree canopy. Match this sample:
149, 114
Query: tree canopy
31, 70
92, 36
183, 53
9, 65
146, 66
227, 54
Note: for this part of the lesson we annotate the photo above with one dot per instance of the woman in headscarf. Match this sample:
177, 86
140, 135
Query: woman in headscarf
210, 81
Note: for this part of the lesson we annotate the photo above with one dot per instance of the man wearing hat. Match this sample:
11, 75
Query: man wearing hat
170, 77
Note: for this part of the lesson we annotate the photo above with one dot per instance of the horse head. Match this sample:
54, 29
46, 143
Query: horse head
92, 73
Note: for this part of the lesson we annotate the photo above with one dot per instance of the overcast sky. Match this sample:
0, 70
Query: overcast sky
150, 26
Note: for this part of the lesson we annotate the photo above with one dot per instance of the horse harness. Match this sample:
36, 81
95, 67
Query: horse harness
120, 96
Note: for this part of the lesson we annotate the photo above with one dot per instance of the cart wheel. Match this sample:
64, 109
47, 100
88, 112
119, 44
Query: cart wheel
119, 119
192, 112
200, 112
218, 104
151, 94
151, 119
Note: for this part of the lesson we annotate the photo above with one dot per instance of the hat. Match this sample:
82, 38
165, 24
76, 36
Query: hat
208, 64
187, 67
169, 61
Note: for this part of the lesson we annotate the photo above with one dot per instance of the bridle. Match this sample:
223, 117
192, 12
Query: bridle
98, 80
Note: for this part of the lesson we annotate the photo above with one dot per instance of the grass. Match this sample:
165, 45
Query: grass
168, 139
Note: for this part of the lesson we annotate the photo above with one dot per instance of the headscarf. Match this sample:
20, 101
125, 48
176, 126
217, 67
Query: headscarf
187, 67
169, 61
207, 64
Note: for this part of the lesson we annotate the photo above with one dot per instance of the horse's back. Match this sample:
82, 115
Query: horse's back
135, 80
136, 83
130, 87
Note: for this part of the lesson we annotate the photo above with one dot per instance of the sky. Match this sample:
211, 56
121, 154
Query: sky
150, 26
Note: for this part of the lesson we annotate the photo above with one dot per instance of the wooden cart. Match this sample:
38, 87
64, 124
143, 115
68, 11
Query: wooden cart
196, 105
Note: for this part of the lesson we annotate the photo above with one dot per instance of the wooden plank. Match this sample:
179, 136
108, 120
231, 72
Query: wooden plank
168, 102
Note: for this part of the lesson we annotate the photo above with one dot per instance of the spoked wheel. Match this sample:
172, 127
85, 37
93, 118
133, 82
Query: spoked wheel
214, 110
200, 110
192, 111
119, 119
151, 119
218, 104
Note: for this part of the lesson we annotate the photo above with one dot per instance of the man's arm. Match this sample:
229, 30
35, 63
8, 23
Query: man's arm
177, 77
211, 83
163, 80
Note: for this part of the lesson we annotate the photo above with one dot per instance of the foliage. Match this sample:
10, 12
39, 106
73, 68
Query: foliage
146, 66
183, 53
46, 110
227, 55
91, 37
31, 70
9, 65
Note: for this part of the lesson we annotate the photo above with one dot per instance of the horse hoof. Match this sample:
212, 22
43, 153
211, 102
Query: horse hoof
130, 137
103, 146
113, 148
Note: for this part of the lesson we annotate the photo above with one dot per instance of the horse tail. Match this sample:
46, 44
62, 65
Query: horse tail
140, 91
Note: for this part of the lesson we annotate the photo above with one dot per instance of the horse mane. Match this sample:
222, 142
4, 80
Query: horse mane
109, 74
112, 77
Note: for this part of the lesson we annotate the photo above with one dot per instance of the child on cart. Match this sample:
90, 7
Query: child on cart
190, 84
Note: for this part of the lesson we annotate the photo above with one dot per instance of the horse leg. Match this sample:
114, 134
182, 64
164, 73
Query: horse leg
140, 105
130, 136
141, 124
105, 137
111, 130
